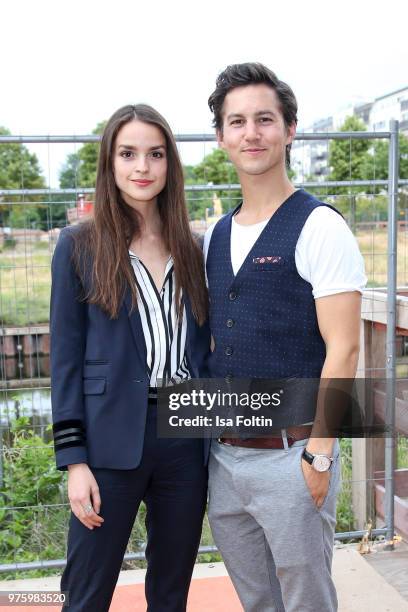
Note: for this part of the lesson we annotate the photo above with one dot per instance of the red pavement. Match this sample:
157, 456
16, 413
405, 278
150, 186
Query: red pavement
206, 595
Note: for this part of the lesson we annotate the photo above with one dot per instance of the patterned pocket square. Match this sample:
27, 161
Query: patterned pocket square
271, 259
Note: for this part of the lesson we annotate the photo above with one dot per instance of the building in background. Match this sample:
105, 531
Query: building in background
81, 211
309, 158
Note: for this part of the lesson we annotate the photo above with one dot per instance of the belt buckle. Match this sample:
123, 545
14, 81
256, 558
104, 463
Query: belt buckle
287, 439
222, 442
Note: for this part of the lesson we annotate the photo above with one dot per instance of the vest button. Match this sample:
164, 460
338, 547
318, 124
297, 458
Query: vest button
232, 295
229, 350
230, 322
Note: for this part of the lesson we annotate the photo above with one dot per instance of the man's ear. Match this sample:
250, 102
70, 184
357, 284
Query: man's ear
220, 138
291, 133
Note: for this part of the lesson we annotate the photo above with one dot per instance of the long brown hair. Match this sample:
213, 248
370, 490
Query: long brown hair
107, 236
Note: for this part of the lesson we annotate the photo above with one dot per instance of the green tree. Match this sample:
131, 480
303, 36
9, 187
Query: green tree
88, 156
68, 177
78, 171
216, 169
347, 161
20, 169
80, 168
188, 172
348, 158
60, 202
376, 166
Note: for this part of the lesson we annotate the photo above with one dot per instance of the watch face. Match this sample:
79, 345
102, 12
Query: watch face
321, 463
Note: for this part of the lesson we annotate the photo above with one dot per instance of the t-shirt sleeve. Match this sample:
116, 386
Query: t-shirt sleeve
327, 254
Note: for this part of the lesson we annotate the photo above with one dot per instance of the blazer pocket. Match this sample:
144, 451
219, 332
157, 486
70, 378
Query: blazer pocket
96, 362
94, 386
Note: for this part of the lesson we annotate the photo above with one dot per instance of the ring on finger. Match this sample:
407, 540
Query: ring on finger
88, 508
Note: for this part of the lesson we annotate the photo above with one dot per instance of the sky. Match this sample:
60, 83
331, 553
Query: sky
65, 66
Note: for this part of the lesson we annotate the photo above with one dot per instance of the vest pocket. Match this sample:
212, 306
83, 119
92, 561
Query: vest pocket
268, 264
94, 386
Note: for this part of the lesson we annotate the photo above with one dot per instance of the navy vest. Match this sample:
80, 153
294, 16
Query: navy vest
263, 320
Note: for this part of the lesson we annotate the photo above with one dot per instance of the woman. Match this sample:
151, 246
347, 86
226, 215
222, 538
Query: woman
128, 311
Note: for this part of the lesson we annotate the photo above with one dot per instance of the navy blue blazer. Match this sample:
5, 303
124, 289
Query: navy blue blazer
99, 379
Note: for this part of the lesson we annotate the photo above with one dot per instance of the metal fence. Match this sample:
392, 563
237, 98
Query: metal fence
26, 340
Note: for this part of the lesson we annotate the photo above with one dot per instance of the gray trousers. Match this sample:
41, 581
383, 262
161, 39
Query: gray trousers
276, 544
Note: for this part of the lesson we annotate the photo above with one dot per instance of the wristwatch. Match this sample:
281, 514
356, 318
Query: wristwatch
321, 463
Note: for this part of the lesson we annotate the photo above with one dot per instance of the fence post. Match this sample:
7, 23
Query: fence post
393, 158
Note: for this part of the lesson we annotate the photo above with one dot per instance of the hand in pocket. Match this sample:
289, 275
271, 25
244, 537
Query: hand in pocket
317, 483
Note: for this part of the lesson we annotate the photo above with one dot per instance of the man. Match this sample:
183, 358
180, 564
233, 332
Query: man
285, 278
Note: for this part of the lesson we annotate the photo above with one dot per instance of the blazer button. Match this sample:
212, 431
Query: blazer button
230, 322
229, 350
232, 295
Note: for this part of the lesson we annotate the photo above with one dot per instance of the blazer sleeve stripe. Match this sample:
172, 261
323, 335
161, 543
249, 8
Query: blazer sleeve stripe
79, 441
66, 424
69, 444
68, 433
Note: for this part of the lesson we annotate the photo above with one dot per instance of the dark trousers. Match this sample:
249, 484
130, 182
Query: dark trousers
172, 481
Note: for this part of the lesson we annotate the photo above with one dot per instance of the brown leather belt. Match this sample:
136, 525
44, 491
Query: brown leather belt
293, 434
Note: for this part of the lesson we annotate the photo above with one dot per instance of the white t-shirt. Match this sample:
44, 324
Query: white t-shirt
327, 255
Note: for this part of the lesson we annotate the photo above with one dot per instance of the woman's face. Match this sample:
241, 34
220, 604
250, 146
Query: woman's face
140, 162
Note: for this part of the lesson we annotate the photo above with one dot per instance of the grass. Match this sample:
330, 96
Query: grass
402, 452
25, 277
373, 246
25, 282
345, 516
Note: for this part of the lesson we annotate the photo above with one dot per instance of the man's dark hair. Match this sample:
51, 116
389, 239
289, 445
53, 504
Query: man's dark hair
252, 73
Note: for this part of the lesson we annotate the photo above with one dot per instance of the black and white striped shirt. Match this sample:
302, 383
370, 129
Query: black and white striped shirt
165, 339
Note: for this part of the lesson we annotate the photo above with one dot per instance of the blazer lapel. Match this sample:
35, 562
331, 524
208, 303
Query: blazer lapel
136, 327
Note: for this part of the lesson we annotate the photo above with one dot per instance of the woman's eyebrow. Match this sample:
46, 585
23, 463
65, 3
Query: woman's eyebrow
133, 148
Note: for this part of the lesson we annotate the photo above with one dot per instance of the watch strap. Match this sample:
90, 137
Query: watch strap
309, 457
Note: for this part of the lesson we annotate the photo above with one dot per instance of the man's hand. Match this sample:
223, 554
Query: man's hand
83, 494
317, 483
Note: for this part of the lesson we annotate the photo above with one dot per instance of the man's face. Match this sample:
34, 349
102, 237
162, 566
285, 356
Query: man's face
254, 133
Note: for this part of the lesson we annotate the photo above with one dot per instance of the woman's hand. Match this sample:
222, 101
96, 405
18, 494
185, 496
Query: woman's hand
83, 494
